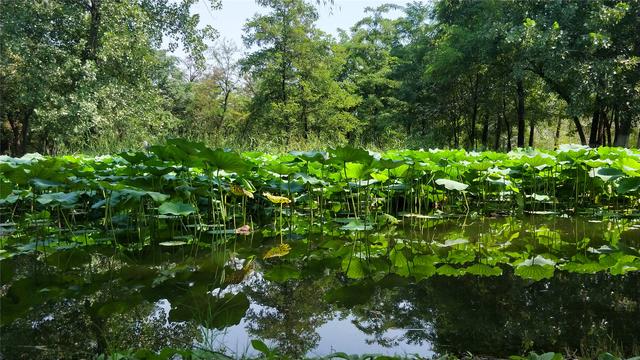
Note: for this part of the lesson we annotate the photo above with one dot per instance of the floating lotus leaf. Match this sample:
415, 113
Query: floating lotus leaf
453, 242
172, 243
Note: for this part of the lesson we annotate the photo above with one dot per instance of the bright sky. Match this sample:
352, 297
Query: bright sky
234, 13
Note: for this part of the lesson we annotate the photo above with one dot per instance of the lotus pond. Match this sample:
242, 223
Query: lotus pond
307, 254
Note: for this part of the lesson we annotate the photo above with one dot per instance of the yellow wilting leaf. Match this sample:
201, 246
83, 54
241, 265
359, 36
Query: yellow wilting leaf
280, 250
277, 199
240, 191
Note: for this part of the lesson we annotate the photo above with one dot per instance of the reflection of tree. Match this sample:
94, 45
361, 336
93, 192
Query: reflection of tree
145, 326
67, 329
392, 308
506, 315
289, 313
57, 313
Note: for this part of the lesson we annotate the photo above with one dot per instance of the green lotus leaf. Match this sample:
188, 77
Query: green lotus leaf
351, 154
461, 256
229, 161
45, 184
319, 156
176, 208
536, 269
308, 179
584, 268
134, 158
627, 185
483, 270
448, 270
606, 174
260, 346
6, 188
452, 185
356, 171
354, 267
283, 168
60, 198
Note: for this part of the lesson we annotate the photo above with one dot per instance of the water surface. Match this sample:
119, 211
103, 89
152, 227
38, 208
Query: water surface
424, 286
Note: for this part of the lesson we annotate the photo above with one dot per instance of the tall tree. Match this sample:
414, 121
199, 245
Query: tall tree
295, 70
73, 71
369, 67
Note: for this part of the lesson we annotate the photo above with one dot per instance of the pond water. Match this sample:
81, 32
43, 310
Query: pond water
494, 286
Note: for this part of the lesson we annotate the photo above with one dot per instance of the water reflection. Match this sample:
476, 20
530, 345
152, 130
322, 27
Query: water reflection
288, 314
72, 329
502, 316
78, 302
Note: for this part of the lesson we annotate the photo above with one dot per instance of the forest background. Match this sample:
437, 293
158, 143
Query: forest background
92, 76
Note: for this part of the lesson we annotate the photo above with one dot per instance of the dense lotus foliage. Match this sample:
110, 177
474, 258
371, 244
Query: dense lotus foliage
185, 224
185, 194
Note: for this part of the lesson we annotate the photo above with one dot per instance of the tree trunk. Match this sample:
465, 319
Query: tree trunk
225, 105
602, 128
496, 144
608, 131
26, 124
566, 96
485, 132
520, 112
556, 139
14, 147
90, 51
623, 130
506, 122
305, 121
474, 114
595, 125
456, 142
531, 128
583, 139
